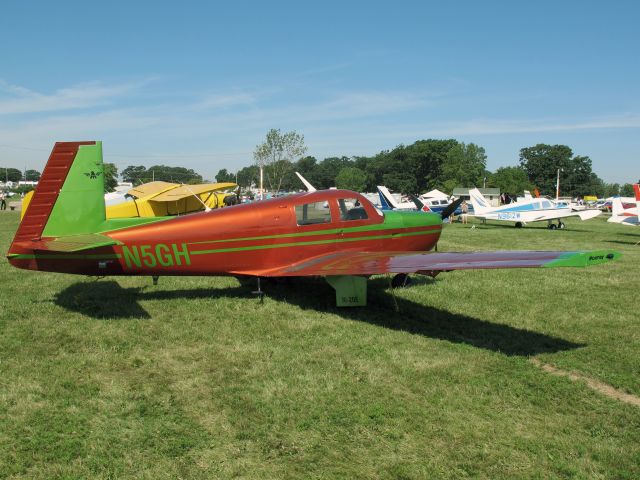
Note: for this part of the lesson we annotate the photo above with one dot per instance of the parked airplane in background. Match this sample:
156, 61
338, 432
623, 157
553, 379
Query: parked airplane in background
526, 210
310, 188
65, 230
626, 216
388, 202
435, 200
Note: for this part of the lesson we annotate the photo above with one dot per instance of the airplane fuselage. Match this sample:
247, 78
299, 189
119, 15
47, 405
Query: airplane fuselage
251, 239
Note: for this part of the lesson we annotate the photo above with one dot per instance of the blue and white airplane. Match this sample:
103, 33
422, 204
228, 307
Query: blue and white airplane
527, 210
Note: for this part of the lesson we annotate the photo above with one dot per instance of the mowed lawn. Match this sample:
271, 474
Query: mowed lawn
194, 378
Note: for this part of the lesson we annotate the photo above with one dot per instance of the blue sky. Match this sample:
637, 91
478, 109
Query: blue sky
199, 84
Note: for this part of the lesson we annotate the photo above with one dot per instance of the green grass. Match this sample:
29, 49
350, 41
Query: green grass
194, 378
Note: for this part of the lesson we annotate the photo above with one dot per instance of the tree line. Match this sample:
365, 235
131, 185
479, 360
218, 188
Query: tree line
423, 166
411, 169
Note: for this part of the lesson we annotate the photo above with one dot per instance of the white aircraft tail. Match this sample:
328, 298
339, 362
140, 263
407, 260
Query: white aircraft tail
386, 197
616, 211
480, 204
310, 188
617, 208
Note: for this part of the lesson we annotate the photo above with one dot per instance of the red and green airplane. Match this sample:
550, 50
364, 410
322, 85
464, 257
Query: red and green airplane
336, 234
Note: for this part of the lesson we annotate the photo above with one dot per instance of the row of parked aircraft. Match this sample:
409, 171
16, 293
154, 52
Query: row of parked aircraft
335, 234
527, 209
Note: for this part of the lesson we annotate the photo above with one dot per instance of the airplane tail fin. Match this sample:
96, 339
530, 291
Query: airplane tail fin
386, 199
69, 198
310, 188
636, 189
617, 208
480, 204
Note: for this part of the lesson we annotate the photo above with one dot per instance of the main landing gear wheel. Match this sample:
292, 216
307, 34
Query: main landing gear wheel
552, 226
560, 225
401, 280
519, 225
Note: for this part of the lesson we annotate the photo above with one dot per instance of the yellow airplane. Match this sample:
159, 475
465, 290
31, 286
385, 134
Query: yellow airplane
161, 199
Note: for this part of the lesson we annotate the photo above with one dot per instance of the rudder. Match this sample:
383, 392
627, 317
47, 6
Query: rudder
69, 198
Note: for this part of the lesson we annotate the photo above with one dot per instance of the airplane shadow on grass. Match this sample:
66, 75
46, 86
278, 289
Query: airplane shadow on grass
622, 242
108, 300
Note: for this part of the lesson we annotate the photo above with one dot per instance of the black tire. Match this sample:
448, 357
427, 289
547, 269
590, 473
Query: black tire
553, 226
519, 225
561, 225
401, 280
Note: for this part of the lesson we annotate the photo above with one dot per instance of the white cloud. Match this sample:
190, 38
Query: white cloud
199, 130
19, 100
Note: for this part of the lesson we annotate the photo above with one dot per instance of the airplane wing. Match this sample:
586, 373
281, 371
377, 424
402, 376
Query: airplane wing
373, 263
150, 188
188, 191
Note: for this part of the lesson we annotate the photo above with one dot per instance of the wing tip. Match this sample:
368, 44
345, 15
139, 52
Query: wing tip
584, 259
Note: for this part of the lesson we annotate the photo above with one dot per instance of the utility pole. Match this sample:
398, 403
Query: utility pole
261, 178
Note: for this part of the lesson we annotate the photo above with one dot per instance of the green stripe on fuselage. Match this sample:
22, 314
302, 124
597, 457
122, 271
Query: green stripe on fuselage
313, 242
392, 220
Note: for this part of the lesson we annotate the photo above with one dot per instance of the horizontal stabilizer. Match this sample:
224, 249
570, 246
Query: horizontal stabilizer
74, 243
589, 214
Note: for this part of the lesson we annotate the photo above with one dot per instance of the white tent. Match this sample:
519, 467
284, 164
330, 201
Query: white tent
437, 194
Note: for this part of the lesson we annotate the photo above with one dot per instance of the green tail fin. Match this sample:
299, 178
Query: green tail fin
79, 208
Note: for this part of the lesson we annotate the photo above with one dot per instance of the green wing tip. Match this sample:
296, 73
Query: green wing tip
584, 259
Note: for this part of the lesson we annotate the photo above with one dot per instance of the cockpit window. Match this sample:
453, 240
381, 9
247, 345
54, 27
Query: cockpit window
351, 209
313, 213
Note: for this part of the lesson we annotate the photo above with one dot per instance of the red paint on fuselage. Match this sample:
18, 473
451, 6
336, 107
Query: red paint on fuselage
250, 239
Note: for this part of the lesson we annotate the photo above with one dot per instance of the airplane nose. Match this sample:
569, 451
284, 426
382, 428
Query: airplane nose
420, 219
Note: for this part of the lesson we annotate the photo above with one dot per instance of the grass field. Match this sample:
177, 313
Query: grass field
194, 378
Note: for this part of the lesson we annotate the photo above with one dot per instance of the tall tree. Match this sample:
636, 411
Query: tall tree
403, 182
10, 174
135, 174
542, 162
351, 178
512, 180
224, 176
626, 190
32, 175
248, 176
464, 166
277, 152
328, 169
309, 168
611, 189
110, 172
173, 174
